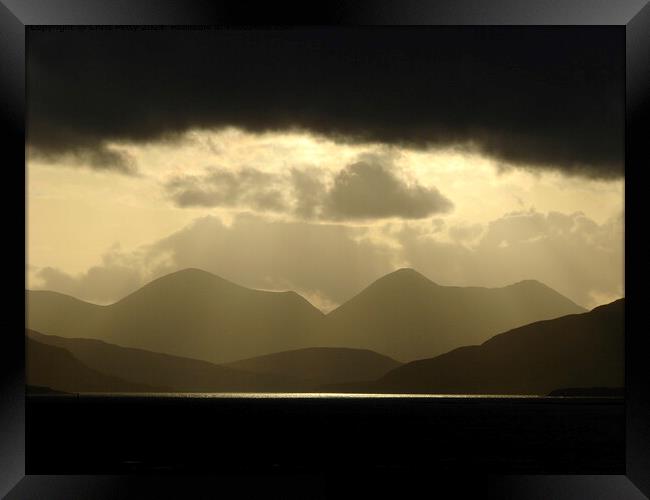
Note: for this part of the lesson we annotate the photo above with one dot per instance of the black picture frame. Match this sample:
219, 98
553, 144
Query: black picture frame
633, 16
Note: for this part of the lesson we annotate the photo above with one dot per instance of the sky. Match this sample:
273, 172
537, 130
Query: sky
318, 160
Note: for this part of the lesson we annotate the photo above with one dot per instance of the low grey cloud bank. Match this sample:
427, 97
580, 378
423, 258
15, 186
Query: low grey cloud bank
369, 189
116, 276
364, 190
571, 253
329, 263
94, 156
219, 187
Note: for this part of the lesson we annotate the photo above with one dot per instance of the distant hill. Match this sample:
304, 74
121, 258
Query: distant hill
55, 368
197, 315
321, 365
189, 313
579, 351
407, 316
301, 370
176, 374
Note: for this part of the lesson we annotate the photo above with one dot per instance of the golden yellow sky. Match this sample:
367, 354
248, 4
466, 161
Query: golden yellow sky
289, 210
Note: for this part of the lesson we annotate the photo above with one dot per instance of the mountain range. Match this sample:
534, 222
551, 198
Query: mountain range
195, 314
191, 331
574, 355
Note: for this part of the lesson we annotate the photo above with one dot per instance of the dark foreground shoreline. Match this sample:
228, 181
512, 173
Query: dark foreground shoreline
118, 434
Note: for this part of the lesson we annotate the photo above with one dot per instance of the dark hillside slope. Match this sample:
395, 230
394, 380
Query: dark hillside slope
578, 350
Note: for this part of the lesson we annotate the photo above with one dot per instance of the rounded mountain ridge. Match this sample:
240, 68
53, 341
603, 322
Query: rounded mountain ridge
197, 277
196, 286
404, 275
407, 276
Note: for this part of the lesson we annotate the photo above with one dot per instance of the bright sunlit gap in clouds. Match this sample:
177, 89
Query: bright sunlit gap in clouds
297, 211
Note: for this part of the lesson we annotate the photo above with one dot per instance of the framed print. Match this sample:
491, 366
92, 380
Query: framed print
372, 242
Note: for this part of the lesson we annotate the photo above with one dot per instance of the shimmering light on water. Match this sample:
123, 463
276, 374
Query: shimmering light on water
311, 395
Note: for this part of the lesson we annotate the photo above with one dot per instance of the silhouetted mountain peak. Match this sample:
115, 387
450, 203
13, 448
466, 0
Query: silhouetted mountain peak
192, 280
404, 276
407, 271
192, 271
530, 285
187, 284
190, 275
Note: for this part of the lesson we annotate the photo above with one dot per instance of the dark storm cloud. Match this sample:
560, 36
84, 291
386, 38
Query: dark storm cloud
369, 189
92, 155
543, 97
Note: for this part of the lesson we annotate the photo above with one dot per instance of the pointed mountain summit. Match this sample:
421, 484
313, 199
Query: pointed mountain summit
407, 316
403, 275
196, 289
399, 281
194, 281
